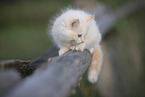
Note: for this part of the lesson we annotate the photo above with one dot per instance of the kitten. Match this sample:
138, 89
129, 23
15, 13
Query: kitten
77, 30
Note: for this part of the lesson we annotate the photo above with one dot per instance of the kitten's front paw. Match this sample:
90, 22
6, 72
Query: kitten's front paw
80, 47
62, 51
93, 76
72, 48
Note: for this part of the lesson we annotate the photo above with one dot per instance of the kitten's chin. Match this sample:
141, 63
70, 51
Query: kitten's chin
80, 42
74, 42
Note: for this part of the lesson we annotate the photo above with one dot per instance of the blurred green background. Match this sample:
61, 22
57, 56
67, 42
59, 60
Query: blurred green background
23, 27
24, 24
23, 35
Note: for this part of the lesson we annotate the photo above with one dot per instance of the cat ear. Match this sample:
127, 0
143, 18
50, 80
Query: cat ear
89, 18
75, 23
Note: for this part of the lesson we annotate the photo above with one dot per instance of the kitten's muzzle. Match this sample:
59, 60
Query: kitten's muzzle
82, 42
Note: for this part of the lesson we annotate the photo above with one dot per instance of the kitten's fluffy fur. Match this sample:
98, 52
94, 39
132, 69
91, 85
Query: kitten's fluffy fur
77, 30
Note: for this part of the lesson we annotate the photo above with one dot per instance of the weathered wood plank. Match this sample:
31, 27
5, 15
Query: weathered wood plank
55, 78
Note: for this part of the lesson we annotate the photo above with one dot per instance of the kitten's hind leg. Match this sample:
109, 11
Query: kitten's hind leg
95, 66
62, 51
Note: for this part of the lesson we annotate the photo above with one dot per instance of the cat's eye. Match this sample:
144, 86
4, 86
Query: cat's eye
79, 35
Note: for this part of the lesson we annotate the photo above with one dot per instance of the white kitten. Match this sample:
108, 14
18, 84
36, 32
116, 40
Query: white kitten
77, 30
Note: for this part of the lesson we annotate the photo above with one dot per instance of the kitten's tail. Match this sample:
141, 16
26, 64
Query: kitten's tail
96, 64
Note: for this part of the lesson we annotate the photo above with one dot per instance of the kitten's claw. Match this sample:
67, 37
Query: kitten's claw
62, 51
